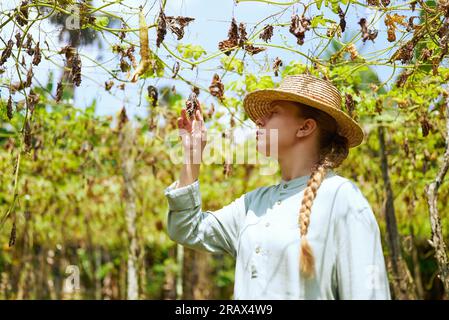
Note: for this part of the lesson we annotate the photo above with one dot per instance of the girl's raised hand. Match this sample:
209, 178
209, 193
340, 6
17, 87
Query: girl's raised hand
193, 133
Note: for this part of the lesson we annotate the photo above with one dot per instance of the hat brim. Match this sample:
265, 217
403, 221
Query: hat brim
257, 104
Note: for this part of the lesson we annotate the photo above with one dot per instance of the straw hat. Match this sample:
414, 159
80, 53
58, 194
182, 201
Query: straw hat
311, 91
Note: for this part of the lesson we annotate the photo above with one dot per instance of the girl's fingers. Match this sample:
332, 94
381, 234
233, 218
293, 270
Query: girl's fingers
180, 123
185, 119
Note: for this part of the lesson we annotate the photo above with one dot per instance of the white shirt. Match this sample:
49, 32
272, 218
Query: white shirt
260, 229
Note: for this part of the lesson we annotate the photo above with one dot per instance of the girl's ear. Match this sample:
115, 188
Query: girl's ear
306, 128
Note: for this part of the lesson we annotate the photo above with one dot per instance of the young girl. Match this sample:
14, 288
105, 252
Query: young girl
313, 235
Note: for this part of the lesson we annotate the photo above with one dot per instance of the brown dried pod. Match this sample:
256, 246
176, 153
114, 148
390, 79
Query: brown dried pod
267, 33
342, 23
121, 86
68, 51
22, 14
425, 126
76, 70
131, 57
122, 34
29, 44
32, 100
350, 105
124, 66
216, 88
276, 65
37, 55
161, 28
7, 52
352, 51
108, 85
12, 236
9, 111
29, 78
192, 104
405, 53
123, 119
18, 37
59, 91
27, 136
196, 90
298, 27
153, 95
175, 69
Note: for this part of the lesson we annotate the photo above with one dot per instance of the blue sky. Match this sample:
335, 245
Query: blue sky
212, 19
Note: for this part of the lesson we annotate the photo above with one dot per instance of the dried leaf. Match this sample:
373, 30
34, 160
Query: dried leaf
350, 105
152, 95
18, 37
7, 52
425, 126
216, 88
108, 85
298, 27
27, 135
12, 236
192, 104
367, 34
276, 64
33, 99
22, 13
390, 22
342, 23
59, 91
76, 70
177, 25
123, 119
267, 33
9, 111
37, 55
233, 39
161, 28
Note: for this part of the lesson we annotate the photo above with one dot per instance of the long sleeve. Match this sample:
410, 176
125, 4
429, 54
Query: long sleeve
361, 272
213, 231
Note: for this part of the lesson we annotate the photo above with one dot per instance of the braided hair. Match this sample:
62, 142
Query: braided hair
333, 151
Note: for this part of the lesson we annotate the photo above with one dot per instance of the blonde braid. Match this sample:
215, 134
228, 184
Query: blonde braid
334, 154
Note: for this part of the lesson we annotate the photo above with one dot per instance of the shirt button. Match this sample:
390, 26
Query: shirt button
285, 186
257, 249
267, 224
279, 202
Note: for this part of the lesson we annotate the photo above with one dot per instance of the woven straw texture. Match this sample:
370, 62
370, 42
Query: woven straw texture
311, 91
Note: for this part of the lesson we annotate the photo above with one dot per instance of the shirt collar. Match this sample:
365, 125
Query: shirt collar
300, 181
